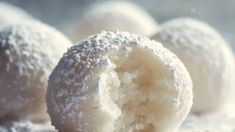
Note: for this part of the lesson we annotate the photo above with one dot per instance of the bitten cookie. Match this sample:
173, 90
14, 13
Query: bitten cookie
118, 82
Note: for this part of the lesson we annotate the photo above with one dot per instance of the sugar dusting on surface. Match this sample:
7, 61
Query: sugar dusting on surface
209, 123
75, 80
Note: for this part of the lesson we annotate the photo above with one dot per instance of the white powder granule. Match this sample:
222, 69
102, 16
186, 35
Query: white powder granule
28, 53
208, 59
12, 15
113, 16
118, 82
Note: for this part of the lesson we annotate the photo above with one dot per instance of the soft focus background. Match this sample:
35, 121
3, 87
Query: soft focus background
61, 13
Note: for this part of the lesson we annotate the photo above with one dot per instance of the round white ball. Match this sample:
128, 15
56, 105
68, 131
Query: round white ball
207, 57
118, 82
28, 53
113, 16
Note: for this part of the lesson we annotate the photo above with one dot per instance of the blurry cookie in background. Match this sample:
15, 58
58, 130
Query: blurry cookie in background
28, 54
207, 57
113, 16
12, 15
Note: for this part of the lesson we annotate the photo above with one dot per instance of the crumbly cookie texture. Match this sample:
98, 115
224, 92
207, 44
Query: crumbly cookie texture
12, 15
119, 82
207, 57
28, 54
113, 16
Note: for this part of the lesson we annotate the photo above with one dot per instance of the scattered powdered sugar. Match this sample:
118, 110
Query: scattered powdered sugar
28, 53
73, 85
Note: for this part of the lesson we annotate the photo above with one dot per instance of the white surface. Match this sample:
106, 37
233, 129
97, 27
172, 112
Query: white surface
206, 123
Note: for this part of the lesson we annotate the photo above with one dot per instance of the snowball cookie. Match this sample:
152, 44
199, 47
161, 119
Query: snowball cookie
11, 15
118, 82
28, 53
207, 57
113, 16
26, 126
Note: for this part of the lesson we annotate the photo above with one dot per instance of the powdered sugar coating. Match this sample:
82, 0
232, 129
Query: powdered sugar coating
28, 53
12, 15
207, 57
113, 16
75, 84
